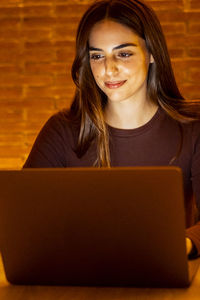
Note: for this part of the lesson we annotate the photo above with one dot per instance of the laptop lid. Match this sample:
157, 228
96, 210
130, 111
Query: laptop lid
93, 226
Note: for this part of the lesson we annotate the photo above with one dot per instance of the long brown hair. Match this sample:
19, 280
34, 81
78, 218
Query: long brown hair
89, 101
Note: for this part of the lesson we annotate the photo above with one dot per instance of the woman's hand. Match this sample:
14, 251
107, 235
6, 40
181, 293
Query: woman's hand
188, 245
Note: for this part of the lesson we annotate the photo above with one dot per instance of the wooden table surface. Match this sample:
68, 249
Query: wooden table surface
14, 292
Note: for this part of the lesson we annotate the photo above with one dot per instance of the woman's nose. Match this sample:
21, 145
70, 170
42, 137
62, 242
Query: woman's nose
111, 67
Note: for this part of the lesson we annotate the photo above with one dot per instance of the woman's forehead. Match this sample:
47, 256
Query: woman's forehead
110, 33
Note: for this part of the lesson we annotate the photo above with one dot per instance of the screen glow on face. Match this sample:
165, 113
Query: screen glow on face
119, 61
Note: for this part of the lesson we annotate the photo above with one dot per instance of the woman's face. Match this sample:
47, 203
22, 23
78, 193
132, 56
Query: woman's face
119, 61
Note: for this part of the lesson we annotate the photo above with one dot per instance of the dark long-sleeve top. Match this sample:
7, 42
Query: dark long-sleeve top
154, 144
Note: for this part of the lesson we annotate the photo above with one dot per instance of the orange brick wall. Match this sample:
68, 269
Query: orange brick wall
36, 52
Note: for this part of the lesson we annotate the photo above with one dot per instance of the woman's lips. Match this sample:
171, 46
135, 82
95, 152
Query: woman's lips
114, 84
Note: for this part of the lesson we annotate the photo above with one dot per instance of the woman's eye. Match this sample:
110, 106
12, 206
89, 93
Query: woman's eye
125, 54
96, 56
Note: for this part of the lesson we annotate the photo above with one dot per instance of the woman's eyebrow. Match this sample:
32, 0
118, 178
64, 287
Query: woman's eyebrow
124, 45
115, 48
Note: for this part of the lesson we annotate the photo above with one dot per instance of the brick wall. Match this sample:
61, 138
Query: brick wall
36, 52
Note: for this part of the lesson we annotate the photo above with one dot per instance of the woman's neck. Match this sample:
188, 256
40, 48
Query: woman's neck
126, 115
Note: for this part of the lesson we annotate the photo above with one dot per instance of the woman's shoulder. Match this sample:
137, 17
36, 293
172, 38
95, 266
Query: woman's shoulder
59, 117
61, 120
58, 129
191, 126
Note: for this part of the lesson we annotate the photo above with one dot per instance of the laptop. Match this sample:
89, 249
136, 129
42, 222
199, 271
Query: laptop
94, 227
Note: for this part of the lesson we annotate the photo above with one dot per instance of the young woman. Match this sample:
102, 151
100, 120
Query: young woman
127, 109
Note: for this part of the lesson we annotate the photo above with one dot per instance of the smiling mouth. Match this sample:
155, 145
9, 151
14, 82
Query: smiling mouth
114, 84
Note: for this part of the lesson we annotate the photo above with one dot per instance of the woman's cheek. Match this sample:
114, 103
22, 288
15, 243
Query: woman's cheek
95, 70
